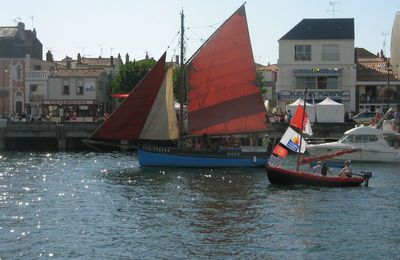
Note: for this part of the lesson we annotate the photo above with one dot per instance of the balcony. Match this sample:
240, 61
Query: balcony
38, 75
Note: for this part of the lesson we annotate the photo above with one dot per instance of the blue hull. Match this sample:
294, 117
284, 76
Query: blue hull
200, 160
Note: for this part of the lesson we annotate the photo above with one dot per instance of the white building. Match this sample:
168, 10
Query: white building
82, 92
317, 54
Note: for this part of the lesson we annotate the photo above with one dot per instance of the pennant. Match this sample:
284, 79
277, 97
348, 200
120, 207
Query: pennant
274, 161
280, 151
291, 139
298, 117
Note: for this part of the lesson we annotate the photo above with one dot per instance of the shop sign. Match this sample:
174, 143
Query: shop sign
68, 102
342, 95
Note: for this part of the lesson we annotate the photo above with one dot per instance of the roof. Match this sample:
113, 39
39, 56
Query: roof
78, 73
8, 32
322, 29
371, 67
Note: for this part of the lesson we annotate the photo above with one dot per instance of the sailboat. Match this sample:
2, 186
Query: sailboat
294, 141
222, 100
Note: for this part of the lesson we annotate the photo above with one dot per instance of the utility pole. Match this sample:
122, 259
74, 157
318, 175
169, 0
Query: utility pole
384, 41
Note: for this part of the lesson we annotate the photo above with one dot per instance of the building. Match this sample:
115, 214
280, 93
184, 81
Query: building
20, 51
317, 55
81, 95
373, 75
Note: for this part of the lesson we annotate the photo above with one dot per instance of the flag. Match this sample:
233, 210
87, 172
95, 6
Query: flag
280, 151
274, 161
291, 139
298, 117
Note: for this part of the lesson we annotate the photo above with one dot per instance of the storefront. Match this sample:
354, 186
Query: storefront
73, 110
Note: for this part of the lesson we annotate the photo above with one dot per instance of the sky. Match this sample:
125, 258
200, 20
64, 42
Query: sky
103, 28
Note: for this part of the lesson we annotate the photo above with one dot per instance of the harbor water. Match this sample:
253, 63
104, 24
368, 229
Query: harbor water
104, 206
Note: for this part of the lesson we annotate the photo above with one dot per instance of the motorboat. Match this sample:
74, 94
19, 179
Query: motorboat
371, 144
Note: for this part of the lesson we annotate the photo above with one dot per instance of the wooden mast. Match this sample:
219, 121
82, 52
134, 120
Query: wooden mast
181, 86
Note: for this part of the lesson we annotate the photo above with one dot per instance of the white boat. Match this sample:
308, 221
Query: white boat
374, 145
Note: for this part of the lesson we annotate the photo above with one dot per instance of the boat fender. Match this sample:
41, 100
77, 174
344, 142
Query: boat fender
398, 155
254, 159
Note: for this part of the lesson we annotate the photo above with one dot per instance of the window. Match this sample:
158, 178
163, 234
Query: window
305, 82
79, 87
65, 87
18, 72
302, 52
332, 82
330, 52
34, 88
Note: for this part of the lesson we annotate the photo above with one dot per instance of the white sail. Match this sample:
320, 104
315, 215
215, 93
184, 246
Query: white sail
162, 123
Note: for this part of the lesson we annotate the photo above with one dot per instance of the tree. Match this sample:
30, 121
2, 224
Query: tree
130, 74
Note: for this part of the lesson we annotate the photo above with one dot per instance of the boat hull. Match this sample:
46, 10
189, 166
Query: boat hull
170, 157
364, 155
280, 176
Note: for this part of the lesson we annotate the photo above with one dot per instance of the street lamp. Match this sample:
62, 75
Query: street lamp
389, 92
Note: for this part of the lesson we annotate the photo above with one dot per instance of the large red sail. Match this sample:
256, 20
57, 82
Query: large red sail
222, 96
128, 119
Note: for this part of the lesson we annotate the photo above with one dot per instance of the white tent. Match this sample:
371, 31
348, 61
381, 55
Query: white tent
310, 109
329, 111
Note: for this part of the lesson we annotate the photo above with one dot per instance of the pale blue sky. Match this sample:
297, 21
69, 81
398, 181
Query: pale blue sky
136, 26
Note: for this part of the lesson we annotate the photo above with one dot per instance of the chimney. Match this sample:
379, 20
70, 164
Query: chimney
177, 59
49, 56
147, 55
69, 61
126, 58
79, 59
112, 61
21, 26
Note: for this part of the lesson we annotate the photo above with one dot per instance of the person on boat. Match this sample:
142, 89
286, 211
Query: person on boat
317, 168
325, 170
346, 171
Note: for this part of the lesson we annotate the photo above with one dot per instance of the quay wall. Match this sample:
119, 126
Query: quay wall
68, 136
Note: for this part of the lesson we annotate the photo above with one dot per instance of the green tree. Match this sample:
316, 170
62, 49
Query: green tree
130, 74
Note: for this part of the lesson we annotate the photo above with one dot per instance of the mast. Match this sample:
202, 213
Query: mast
301, 129
181, 86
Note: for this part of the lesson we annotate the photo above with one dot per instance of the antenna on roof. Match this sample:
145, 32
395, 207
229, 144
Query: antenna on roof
384, 41
333, 10
17, 20
101, 49
31, 17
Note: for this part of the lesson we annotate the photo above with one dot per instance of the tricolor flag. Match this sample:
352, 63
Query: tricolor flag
291, 139
297, 118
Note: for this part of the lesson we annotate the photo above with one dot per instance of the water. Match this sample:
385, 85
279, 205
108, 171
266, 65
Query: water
103, 206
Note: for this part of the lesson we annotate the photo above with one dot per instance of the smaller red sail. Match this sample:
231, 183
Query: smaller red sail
280, 151
128, 119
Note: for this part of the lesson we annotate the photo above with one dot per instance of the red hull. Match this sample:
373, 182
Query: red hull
280, 176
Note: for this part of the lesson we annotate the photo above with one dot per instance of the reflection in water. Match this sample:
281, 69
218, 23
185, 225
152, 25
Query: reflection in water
103, 205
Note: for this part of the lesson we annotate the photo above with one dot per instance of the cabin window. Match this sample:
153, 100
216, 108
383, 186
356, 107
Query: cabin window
330, 52
347, 139
302, 52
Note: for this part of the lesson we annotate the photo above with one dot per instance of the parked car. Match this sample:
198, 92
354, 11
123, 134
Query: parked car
364, 117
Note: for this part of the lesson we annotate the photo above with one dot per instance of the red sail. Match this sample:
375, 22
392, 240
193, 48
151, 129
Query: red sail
222, 96
128, 119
